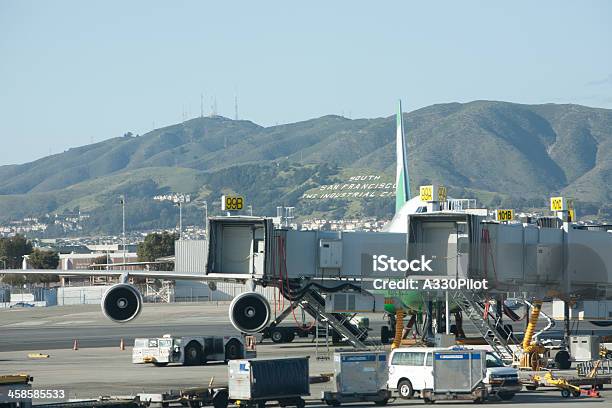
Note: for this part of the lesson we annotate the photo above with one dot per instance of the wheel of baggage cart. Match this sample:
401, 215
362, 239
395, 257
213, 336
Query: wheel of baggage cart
381, 402
405, 390
193, 353
220, 398
292, 402
505, 396
332, 402
156, 364
565, 393
277, 335
576, 394
428, 400
233, 350
290, 336
562, 360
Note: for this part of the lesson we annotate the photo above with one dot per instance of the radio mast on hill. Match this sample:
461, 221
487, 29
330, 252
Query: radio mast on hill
236, 107
213, 107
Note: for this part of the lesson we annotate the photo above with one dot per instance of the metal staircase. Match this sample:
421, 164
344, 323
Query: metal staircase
314, 305
489, 327
163, 294
322, 351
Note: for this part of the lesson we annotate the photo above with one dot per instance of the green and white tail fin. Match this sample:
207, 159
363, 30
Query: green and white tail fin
402, 180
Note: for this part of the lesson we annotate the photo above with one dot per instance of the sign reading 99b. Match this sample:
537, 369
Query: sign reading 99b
232, 203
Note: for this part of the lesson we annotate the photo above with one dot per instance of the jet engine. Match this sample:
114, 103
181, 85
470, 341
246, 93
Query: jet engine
249, 312
121, 303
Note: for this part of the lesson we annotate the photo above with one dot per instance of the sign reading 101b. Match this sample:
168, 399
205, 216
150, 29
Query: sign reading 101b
504, 215
231, 203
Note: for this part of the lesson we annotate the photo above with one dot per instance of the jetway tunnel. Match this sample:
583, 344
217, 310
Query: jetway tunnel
542, 261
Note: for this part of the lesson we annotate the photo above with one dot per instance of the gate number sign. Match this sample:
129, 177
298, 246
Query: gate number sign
231, 203
505, 215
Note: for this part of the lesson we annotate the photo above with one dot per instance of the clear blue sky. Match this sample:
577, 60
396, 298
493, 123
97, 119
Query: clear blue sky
72, 72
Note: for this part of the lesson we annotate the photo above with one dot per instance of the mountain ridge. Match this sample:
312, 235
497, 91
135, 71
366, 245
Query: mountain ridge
497, 148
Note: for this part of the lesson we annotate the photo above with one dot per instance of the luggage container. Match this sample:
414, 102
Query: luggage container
359, 376
256, 381
584, 348
458, 375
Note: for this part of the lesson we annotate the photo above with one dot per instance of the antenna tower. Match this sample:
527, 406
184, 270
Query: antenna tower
236, 107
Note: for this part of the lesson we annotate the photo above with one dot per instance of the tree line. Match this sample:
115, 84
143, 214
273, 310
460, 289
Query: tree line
12, 251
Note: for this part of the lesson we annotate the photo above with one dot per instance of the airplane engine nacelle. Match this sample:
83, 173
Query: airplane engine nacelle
249, 312
121, 303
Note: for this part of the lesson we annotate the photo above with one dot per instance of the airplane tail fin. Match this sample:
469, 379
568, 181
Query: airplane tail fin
402, 180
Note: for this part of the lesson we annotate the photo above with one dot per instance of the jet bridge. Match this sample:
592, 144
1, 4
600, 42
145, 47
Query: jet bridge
545, 262
238, 247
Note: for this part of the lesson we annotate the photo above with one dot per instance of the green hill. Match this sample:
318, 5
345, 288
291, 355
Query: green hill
497, 151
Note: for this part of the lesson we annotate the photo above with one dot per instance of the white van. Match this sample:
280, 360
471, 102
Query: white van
411, 369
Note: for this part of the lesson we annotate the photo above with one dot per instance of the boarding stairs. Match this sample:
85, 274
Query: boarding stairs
594, 368
487, 324
280, 317
322, 351
162, 294
314, 304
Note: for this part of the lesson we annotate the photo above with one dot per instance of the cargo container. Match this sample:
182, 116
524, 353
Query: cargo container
584, 348
359, 376
458, 375
256, 381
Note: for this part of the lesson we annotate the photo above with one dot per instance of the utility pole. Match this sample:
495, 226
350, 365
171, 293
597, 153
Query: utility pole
123, 222
205, 216
180, 206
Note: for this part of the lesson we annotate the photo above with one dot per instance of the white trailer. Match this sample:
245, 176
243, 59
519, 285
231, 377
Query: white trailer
188, 350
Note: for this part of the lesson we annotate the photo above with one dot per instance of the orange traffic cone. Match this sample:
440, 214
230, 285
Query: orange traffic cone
75, 346
122, 345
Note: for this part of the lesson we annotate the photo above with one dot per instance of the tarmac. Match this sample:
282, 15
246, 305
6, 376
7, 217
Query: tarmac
100, 368
56, 327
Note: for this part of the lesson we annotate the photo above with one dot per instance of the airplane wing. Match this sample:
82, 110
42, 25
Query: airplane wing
170, 275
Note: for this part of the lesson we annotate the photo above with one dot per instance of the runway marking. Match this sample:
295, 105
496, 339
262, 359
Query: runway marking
63, 323
27, 323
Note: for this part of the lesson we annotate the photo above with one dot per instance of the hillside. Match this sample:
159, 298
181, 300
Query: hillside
500, 152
